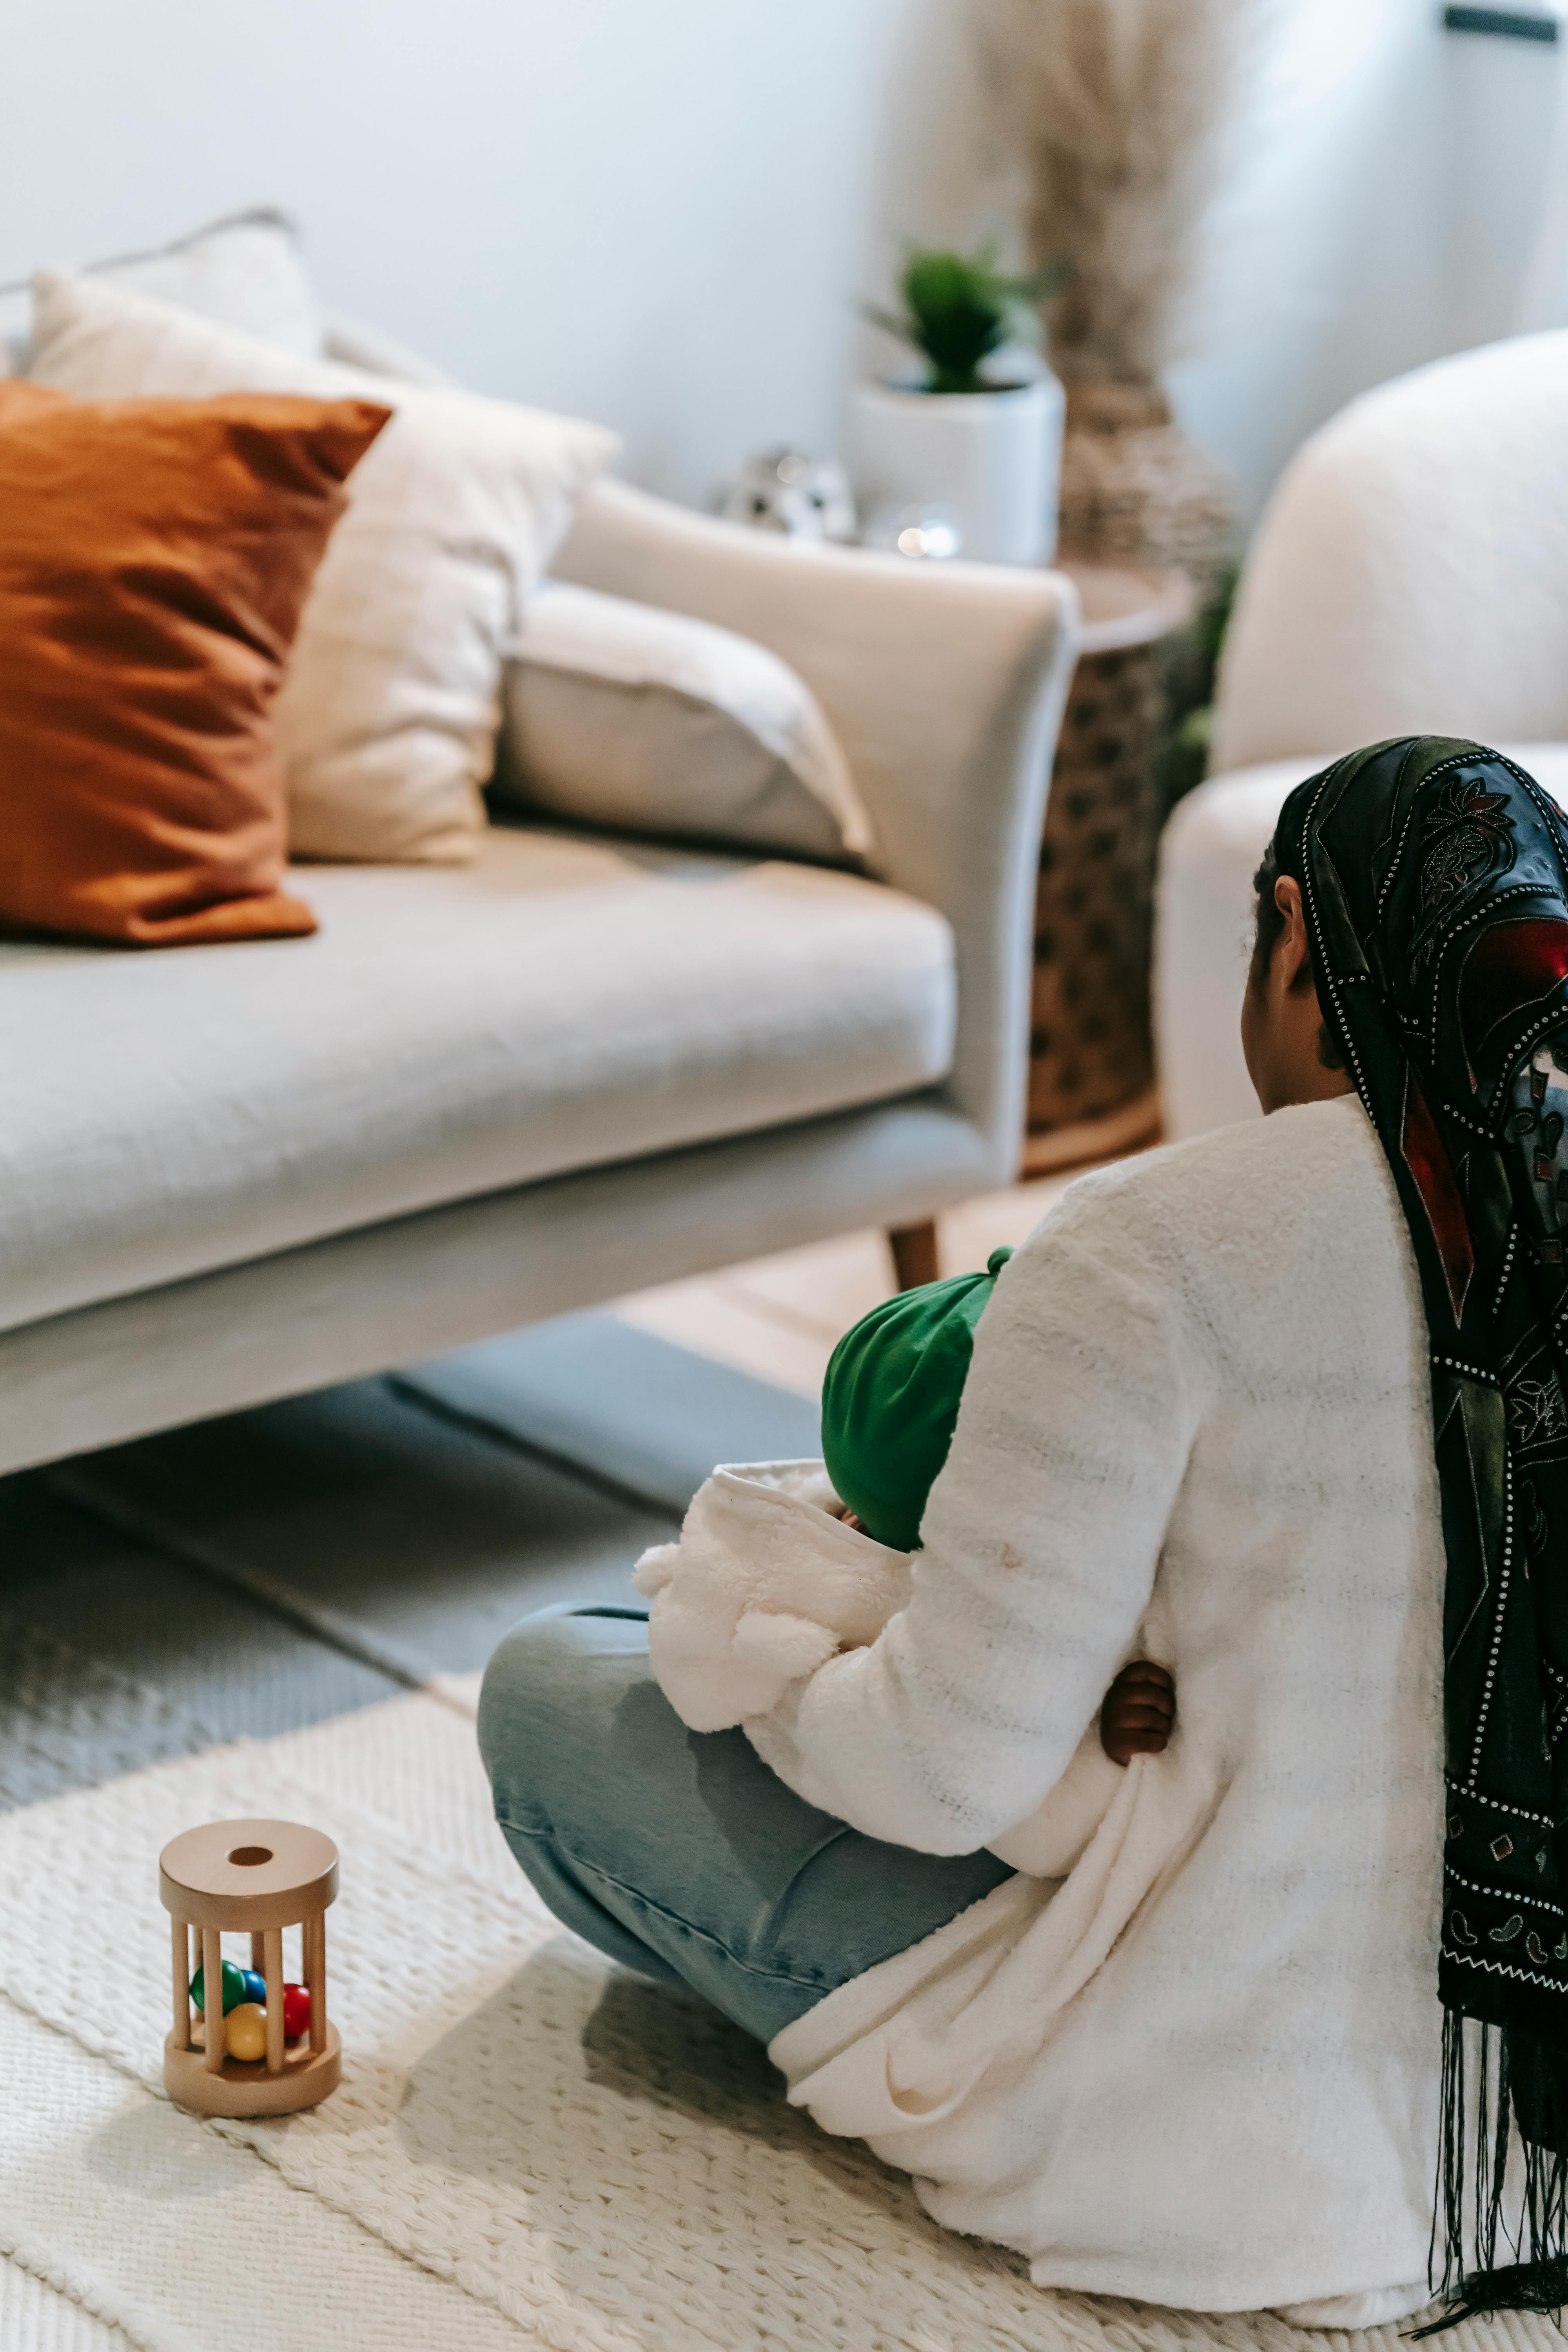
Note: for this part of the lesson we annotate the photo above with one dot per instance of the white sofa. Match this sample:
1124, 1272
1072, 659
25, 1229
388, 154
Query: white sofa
1410, 577
479, 1097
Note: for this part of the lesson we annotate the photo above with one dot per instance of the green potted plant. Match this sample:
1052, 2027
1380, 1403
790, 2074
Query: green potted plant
983, 444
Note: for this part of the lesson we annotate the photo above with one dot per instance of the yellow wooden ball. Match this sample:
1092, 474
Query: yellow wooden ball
245, 2031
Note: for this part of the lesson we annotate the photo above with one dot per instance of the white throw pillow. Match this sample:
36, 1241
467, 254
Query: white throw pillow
357, 345
244, 272
622, 714
387, 717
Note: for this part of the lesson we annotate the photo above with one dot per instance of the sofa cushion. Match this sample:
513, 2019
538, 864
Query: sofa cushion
155, 556
449, 1031
625, 715
1204, 923
245, 271
387, 717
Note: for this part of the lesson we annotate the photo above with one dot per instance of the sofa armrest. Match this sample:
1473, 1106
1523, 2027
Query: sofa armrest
945, 685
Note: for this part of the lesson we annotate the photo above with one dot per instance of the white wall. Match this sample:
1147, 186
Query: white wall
661, 213
646, 211
1385, 185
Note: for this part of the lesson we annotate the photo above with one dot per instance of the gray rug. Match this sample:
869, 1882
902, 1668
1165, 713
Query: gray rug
612, 1401
253, 1575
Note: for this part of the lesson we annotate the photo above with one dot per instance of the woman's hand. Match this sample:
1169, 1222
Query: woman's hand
1139, 1710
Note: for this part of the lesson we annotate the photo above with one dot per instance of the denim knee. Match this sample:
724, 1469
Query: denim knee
535, 1704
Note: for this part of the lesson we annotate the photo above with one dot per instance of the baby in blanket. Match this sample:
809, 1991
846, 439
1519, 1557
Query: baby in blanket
781, 1565
889, 1405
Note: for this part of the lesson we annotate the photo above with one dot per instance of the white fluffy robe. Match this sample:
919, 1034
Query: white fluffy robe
1202, 2068
766, 1583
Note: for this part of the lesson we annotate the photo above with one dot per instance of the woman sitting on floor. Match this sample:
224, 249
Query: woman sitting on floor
1273, 1407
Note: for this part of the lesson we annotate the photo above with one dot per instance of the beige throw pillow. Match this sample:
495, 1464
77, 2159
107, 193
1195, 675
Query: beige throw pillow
243, 272
623, 714
387, 718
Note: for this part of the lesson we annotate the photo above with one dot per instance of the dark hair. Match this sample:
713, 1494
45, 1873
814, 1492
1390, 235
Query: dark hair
1270, 928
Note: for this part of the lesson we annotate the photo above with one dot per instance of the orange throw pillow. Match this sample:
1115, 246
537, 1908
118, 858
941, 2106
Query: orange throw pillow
154, 559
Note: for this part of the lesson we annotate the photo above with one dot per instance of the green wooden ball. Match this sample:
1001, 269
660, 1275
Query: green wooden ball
234, 1987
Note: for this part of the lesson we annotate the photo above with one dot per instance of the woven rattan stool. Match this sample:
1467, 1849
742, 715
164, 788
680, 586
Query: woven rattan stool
261, 1877
1091, 1069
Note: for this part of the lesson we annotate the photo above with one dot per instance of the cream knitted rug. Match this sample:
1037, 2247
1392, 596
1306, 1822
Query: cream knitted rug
529, 2146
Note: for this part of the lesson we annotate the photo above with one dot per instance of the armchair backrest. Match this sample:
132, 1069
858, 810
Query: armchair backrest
1411, 573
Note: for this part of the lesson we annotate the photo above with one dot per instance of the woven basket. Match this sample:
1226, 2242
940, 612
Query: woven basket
1090, 1053
1136, 489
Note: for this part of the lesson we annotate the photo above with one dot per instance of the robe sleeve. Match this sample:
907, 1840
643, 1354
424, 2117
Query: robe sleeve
1038, 1549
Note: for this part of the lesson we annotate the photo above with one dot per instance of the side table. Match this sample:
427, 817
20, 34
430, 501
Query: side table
1091, 1066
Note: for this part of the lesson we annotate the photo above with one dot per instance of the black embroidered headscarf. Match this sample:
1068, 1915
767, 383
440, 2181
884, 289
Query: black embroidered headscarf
1433, 876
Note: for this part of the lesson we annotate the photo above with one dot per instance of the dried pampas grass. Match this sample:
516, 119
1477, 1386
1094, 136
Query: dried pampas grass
1114, 110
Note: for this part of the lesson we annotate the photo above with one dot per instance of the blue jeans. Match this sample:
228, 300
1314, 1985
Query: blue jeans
679, 1853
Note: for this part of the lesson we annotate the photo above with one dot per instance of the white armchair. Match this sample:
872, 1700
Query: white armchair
1410, 577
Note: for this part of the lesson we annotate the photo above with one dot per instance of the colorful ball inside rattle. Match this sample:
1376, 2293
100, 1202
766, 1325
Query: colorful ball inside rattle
245, 2031
246, 1989
235, 1988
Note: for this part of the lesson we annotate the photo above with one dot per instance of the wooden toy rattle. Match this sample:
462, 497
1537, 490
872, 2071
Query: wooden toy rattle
264, 1877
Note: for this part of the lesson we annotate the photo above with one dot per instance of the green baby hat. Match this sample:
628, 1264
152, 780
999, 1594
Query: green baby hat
890, 1400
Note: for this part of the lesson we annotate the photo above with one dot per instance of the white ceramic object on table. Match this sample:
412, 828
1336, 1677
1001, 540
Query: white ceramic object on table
994, 458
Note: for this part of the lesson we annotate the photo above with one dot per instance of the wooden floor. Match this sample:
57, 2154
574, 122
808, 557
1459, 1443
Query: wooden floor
781, 1317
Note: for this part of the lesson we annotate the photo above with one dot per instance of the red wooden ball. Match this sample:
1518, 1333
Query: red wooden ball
296, 2011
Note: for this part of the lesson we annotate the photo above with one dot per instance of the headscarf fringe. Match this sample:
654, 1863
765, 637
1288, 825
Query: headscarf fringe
1434, 881
1512, 2073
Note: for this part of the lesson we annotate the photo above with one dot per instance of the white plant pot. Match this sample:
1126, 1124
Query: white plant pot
992, 457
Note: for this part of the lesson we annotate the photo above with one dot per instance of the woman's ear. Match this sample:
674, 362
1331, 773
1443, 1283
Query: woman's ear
1292, 961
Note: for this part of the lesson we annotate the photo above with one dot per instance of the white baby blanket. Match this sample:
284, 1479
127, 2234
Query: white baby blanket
765, 1583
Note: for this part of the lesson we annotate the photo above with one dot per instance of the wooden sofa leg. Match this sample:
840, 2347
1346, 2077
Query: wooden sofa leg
914, 1253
